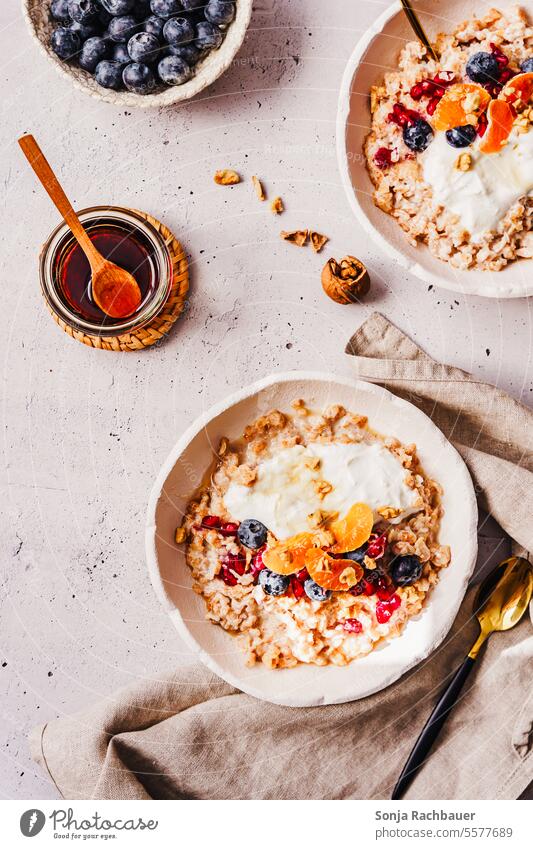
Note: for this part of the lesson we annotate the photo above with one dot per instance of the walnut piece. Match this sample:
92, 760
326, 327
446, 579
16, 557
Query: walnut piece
222, 446
181, 535
463, 162
322, 488
297, 237
226, 177
277, 206
317, 240
258, 186
345, 281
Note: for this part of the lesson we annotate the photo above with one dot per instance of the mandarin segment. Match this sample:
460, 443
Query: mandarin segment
354, 529
518, 90
331, 573
461, 103
500, 123
288, 556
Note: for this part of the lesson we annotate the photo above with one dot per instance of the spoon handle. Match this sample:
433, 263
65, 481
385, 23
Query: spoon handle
418, 28
432, 728
50, 183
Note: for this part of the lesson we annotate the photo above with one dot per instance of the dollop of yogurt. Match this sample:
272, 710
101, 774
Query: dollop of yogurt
482, 196
284, 492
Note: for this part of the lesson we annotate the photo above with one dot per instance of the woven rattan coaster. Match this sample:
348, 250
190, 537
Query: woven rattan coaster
160, 326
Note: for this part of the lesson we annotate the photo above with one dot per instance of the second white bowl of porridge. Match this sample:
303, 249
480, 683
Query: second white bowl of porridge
445, 190
312, 538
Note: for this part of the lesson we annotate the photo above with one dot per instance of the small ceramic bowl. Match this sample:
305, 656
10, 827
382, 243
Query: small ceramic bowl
208, 69
375, 53
183, 473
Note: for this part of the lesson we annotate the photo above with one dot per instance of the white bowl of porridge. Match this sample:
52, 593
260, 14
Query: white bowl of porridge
311, 538
435, 157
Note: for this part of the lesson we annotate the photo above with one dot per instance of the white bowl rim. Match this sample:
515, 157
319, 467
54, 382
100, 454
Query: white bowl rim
199, 424
171, 94
414, 268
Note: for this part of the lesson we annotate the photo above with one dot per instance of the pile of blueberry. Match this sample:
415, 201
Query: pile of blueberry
139, 44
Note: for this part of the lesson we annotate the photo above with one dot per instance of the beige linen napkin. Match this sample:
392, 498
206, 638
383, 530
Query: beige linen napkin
189, 735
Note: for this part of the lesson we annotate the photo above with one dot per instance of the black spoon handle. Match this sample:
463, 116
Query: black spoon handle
432, 728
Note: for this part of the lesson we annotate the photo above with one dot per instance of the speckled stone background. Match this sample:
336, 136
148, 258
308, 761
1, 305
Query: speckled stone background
84, 432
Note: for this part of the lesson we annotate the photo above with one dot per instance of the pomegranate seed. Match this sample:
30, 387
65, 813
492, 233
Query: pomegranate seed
211, 522
499, 55
257, 564
427, 86
385, 608
506, 75
353, 626
369, 588
383, 157
376, 547
439, 91
432, 105
235, 562
444, 78
417, 92
297, 588
229, 529
302, 575
228, 577
482, 125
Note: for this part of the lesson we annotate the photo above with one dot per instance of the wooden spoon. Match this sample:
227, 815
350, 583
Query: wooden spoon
114, 290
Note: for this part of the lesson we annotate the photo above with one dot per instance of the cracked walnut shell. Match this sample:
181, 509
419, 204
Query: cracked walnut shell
345, 281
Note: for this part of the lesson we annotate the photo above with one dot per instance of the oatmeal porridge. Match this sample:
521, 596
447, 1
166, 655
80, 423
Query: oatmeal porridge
450, 151
315, 538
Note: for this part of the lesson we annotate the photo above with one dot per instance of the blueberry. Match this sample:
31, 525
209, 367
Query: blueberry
93, 51
417, 136
252, 533
83, 11
178, 31
118, 7
405, 570
166, 8
527, 66
208, 36
174, 71
188, 52
143, 47
59, 11
357, 555
139, 78
84, 31
121, 55
154, 26
122, 28
272, 583
220, 11
461, 136
483, 68
65, 43
108, 74
315, 592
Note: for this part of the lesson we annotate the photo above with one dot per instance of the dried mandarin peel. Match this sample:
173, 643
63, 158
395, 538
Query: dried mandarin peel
500, 123
461, 103
331, 573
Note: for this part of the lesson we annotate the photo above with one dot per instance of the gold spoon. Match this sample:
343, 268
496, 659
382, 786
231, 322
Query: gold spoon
420, 33
502, 600
114, 289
